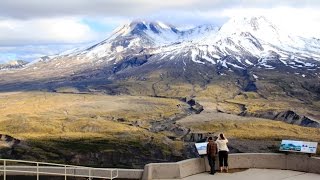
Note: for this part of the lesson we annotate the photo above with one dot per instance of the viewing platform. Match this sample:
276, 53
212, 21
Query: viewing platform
257, 174
244, 166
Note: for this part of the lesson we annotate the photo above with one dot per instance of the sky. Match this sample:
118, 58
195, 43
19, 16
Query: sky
30, 29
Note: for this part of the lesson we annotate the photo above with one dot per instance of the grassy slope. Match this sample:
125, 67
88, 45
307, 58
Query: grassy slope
54, 126
259, 129
45, 114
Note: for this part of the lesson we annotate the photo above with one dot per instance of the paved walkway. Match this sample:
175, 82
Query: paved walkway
257, 174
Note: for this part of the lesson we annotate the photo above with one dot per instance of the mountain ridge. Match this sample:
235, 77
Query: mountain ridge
13, 64
141, 35
240, 35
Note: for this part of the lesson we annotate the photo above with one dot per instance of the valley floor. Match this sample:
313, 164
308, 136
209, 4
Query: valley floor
103, 131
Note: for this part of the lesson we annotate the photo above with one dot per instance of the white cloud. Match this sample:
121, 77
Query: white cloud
47, 22
299, 21
49, 8
32, 52
44, 31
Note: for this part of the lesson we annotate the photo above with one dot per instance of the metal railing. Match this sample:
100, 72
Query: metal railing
12, 167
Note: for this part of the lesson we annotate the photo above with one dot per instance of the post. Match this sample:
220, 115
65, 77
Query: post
65, 172
37, 171
4, 170
90, 173
117, 173
111, 177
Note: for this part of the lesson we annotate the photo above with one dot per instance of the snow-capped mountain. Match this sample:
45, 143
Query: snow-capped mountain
256, 37
138, 49
248, 54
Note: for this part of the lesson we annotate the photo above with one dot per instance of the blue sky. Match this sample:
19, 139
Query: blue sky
35, 28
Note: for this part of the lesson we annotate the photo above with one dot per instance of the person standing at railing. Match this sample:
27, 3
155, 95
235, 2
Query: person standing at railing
212, 151
223, 152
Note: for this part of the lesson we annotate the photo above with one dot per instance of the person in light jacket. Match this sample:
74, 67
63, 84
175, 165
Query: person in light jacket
223, 152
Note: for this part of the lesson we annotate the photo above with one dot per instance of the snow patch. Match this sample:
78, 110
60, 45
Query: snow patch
185, 64
162, 25
234, 65
248, 62
209, 59
194, 55
223, 63
119, 48
215, 56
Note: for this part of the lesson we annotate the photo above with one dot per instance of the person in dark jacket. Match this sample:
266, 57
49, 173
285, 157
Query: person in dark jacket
212, 151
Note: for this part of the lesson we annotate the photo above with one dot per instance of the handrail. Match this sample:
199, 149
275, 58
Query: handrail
38, 170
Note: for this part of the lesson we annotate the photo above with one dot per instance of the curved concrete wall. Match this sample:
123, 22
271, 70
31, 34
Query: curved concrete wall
244, 160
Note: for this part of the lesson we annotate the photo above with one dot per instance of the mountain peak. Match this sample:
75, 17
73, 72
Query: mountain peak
147, 23
137, 27
250, 23
258, 22
258, 26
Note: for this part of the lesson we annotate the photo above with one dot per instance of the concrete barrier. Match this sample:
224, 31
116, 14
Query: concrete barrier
130, 173
254, 160
314, 165
161, 171
190, 167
